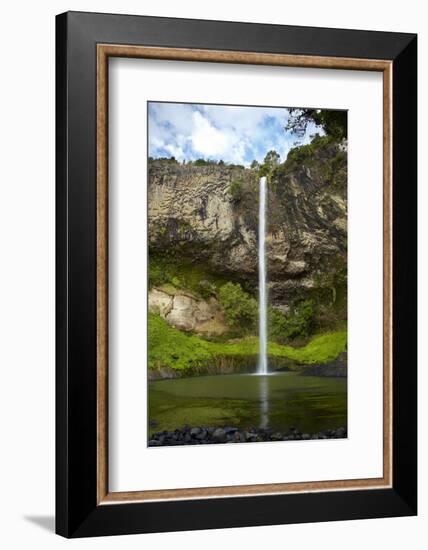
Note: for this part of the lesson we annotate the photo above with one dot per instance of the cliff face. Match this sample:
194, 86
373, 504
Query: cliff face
209, 214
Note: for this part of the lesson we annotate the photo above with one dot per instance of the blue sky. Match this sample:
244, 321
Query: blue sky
234, 134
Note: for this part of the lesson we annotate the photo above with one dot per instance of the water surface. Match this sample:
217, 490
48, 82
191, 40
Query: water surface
279, 401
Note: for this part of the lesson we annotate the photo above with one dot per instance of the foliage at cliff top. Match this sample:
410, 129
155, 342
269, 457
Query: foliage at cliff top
172, 348
333, 123
325, 157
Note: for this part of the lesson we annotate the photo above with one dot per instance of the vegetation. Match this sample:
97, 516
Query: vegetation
202, 162
169, 347
331, 171
240, 309
241, 314
333, 123
299, 323
183, 275
236, 190
173, 160
270, 163
307, 313
311, 311
254, 165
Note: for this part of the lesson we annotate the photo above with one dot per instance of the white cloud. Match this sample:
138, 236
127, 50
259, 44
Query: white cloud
211, 142
175, 151
235, 134
173, 115
206, 139
243, 119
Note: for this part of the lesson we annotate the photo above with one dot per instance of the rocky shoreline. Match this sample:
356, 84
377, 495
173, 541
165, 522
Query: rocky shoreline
333, 369
233, 365
200, 435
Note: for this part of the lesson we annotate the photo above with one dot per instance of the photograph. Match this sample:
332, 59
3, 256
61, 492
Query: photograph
212, 275
247, 273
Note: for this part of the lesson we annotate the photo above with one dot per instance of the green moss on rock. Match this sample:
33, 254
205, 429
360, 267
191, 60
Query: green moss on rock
173, 349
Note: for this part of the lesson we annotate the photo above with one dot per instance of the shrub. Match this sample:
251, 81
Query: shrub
299, 323
270, 162
236, 190
183, 274
157, 274
176, 282
277, 325
240, 309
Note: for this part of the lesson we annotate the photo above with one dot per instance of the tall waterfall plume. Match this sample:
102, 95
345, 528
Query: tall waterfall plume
263, 364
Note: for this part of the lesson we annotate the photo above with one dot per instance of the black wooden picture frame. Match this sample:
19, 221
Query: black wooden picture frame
79, 512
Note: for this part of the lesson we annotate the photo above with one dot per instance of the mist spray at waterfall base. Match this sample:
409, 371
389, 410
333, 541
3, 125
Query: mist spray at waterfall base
263, 363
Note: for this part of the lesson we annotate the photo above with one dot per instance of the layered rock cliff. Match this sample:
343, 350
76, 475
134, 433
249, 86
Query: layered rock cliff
209, 215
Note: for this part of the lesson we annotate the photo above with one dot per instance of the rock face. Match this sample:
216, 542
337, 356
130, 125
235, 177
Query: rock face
192, 211
336, 369
210, 214
187, 312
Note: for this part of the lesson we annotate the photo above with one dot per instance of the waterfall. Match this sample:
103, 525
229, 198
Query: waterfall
263, 366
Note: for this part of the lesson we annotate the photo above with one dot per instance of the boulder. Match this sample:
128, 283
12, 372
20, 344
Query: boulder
183, 310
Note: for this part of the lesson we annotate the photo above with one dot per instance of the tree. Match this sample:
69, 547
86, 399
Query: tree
271, 159
299, 322
200, 162
270, 162
334, 123
254, 164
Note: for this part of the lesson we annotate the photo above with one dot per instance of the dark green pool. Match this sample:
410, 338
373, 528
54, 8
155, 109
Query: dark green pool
278, 401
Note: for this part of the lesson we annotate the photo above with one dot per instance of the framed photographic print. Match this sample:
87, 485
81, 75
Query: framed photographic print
236, 274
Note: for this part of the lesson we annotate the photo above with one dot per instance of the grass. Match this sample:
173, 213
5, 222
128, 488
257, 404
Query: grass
321, 349
169, 347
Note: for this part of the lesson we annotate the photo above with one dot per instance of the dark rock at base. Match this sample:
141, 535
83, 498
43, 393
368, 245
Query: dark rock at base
202, 435
199, 435
335, 369
219, 435
230, 429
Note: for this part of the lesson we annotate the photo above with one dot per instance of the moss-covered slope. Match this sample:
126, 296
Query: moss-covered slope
173, 352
